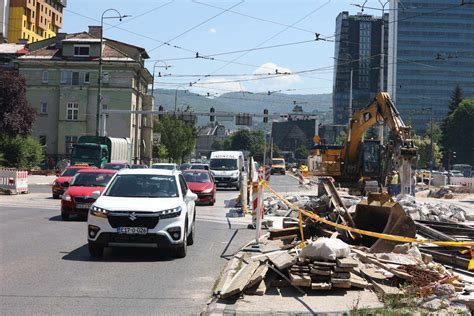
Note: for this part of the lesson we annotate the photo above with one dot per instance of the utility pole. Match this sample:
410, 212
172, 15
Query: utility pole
99, 115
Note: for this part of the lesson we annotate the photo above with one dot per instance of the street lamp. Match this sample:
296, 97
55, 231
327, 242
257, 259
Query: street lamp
99, 114
176, 98
154, 66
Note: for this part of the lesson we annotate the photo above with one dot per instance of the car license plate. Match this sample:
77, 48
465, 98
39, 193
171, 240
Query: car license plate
133, 230
221, 184
82, 206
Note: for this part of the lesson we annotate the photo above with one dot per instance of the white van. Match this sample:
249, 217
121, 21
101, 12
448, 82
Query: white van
227, 168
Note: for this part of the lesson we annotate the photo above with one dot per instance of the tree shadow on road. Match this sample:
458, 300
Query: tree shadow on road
121, 255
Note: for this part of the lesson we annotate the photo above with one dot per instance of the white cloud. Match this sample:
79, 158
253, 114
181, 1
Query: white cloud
212, 30
278, 82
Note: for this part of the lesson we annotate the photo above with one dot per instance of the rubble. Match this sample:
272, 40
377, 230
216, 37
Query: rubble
431, 212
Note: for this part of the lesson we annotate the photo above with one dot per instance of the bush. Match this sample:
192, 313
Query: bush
21, 152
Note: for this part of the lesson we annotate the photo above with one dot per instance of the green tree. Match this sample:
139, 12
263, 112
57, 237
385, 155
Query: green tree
457, 95
437, 133
459, 134
341, 138
301, 152
21, 152
241, 140
423, 144
160, 152
177, 136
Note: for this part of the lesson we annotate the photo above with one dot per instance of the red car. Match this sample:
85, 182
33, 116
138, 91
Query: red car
77, 199
202, 183
58, 187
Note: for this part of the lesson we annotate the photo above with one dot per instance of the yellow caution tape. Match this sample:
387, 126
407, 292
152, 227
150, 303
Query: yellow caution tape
370, 233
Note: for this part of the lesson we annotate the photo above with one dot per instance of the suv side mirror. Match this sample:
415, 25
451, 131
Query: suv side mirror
190, 196
95, 195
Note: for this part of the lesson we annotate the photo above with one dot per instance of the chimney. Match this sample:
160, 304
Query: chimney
95, 31
59, 39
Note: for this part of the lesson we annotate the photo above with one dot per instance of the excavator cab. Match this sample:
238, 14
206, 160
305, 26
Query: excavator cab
371, 161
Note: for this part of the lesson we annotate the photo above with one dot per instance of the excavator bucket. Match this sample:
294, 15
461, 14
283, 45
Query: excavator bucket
379, 213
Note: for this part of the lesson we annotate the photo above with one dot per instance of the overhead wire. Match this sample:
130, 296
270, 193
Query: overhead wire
197, 25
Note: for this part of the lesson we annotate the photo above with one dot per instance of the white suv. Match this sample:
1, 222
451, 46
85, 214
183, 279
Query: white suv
143, 208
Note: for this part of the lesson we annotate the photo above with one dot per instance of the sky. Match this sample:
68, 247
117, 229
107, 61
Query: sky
174, 32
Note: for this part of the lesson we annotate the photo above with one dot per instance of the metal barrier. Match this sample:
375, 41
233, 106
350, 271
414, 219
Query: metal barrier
13, 181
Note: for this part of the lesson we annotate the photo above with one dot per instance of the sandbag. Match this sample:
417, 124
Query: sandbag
326, 249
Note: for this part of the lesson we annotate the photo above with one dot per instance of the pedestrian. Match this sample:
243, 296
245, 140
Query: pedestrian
394, 185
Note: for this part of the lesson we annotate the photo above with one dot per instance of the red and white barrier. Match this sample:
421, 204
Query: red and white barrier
259, 214
268, 172
13, 181
301, 178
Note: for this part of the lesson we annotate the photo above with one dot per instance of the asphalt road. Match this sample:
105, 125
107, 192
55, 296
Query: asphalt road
45, 266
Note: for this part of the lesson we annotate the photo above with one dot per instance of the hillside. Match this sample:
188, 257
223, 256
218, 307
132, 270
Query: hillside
246, 102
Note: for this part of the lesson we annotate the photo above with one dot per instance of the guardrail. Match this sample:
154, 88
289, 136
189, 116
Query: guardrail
13, 181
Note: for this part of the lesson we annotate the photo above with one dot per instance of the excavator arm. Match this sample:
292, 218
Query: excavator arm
400, 147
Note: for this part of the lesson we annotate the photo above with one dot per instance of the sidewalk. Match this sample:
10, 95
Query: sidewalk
40, 180
288, 301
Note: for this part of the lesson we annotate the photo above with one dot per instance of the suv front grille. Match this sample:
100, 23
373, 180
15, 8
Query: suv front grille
141, 219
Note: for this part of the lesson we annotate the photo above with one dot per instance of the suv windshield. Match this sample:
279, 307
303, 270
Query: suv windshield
69, 172
278, 161
199, 177
199, 167
91, 179
84, 152
223, 164
143, 185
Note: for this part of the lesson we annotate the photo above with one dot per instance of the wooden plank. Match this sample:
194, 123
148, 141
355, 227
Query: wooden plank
398, 273
315, 271
300, 280
321, 286
271, 245
373, 274
275, 233
341, 275
339, 269
359, 282
341, 283
258, 275
325, 263
282, 260
240, 280
347, 263
227, 275
261, 287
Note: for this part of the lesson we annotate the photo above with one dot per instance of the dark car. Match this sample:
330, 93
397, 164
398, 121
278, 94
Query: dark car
138, 166
199, 166
116, 165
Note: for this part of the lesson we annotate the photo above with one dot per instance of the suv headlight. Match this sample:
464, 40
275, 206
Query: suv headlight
66, 197
98, 211
207, 190
173, 212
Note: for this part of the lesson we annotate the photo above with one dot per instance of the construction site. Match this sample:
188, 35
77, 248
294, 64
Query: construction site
366, 234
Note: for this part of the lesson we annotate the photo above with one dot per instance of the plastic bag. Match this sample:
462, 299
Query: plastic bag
326, 249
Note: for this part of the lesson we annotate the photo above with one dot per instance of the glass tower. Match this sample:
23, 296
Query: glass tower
431, 50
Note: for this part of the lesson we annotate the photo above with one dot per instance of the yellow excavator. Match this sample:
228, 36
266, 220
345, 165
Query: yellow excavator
362, 160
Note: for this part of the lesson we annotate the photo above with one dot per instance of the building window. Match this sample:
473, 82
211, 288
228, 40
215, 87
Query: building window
69, 141
63, 76
72, 113
81, 50
43, 108
75, 78
44, 76
87, 78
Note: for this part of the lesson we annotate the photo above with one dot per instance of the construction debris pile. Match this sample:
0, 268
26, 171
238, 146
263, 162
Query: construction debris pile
438, 212
327, 264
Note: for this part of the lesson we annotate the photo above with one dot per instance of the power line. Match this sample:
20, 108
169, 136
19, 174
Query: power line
197, 25
270, 38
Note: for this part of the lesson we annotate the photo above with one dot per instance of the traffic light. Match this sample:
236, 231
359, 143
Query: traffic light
161, 109
211, 115
265, 116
